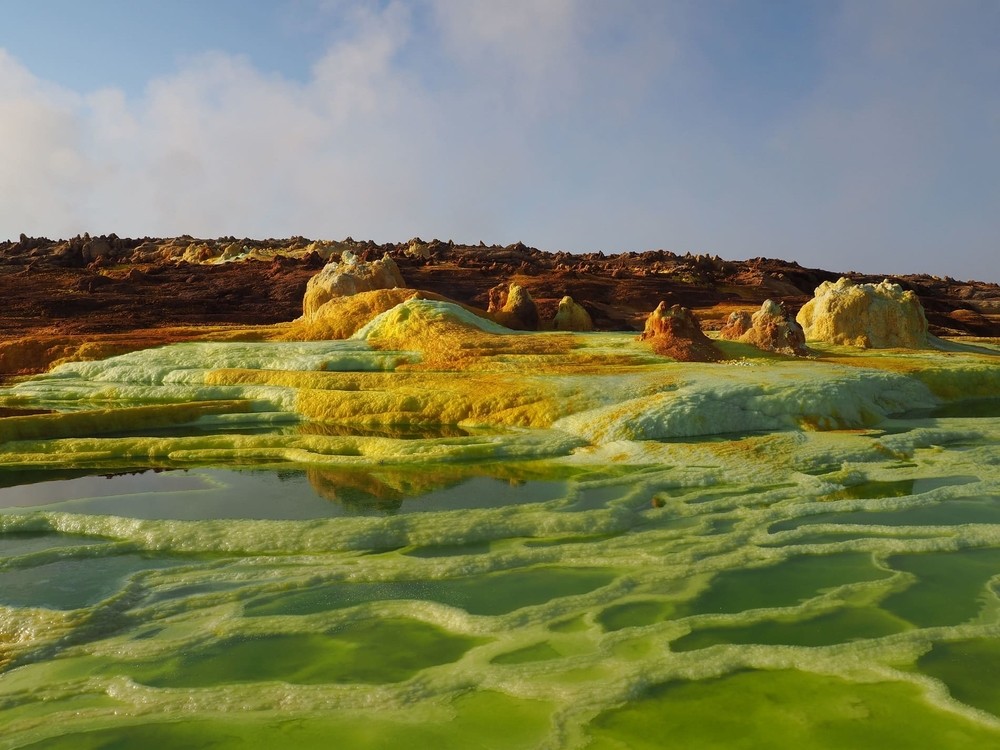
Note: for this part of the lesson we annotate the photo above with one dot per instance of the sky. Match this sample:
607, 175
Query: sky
847, 135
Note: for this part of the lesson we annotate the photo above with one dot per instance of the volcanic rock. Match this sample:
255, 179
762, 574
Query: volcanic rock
350, 276
771, 328
571, 317
675, 332
95, 249
876, 316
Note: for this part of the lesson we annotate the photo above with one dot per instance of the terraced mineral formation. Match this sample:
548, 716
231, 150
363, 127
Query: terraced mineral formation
876, 316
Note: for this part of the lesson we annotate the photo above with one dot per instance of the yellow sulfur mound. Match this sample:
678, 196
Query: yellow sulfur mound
879, 316
347, 277
449, 336
342, 317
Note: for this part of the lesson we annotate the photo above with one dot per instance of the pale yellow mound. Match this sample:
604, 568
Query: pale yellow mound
451, 337
342, 317
347, 277
879, 316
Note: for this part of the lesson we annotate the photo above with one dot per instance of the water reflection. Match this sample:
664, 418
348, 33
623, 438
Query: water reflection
396, 432
277, 493
10, 411
449, 487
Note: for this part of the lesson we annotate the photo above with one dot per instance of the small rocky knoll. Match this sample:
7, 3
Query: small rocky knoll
676, 333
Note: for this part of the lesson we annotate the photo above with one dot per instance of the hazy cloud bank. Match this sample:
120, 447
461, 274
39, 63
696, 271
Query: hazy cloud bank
568, 125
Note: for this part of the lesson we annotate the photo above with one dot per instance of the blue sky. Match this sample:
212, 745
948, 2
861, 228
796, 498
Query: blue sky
846, 135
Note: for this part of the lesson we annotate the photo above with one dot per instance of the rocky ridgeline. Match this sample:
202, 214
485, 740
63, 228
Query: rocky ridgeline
109, 283
349, 294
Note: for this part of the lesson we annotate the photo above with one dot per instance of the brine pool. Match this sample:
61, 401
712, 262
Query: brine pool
784, 588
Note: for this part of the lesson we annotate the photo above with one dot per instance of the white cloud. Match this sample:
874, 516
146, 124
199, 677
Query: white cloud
361, 147
41, 150
217, 147
521, 43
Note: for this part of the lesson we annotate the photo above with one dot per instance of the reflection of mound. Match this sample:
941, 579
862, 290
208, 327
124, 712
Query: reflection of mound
396, 432
382, 491
357, 490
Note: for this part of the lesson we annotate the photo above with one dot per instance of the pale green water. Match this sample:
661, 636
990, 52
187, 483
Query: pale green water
430, 618
832, 590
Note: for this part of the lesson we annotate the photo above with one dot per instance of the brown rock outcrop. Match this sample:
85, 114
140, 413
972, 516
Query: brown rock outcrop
771, 328
737, 326
675, 332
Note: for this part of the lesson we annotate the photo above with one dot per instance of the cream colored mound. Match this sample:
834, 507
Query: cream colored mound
349, 276
870, 316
